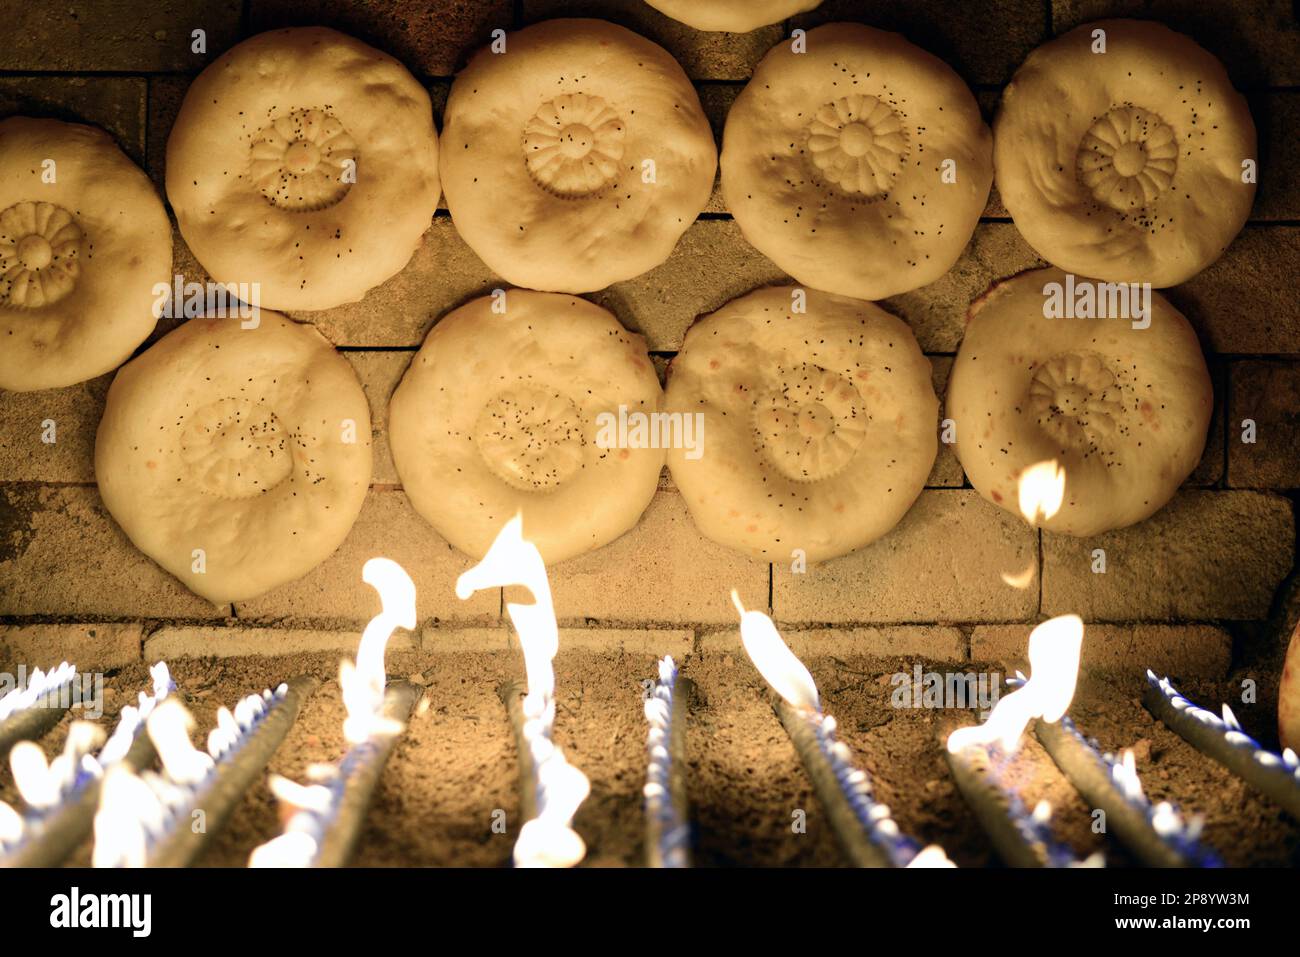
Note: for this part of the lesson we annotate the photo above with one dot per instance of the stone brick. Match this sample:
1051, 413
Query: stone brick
1258, 42
924, 642
165, 96
947, 471
1201, 651
99, 35
984, 42
988, 101
704, 56
1277, 120
663, 570
711, 265
1269, 393
115, 103
443, 273
1209, 471
717, 98
1205, 555
233, 640
90, 647
626, 641
937, 312
434, 39
62, 554
379, 373
453, 639
943, 562
388, 527
1246, 302
75, 412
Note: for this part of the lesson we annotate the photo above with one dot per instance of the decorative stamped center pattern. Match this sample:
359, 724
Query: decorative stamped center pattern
573, 145
858, 143
531, 438
40, 254
811, 423
1127, 158
1076, 400
236, 448
304, 161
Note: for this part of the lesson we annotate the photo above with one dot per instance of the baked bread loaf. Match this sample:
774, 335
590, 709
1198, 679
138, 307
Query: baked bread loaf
732, 16
860, 166
1125, 165
236, 458
505, 411
84, 239
576, 158
1123, 409
819, 426
1288, 696
307, 162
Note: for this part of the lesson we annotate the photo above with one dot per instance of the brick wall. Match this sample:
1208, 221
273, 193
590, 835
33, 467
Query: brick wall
1184, 591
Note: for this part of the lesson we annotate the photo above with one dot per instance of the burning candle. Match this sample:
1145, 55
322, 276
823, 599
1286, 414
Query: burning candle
62, 795
551, 789
27, 713
327, 814
976, 754
865, 829
667, 825
1221, 738
148, 820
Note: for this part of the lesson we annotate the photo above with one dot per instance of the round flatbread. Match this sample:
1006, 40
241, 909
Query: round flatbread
1122, 407
508, 407
1126, 165
243, 452
576, 158
732, 16
84, 241
818, 425
305, 161
860, 166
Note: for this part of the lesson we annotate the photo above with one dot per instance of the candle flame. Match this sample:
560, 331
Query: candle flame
169, 729
774, 660
1054, 648
513, 560
1124, 773
1042, 490
548, 840
129, 811
931, 856
363, 683
290, 849
39, 683
1022, 580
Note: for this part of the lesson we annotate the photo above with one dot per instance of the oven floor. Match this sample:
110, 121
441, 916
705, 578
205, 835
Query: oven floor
455, 766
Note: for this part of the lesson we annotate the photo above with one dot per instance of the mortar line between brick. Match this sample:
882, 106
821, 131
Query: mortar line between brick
1040, 572
1227, 422
147, 126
